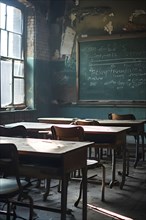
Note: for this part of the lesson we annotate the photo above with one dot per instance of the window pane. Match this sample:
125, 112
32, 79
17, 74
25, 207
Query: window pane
6, 83
2, 15
3, 50
18, 91
12, 82
18, 68
14, 20
14, 46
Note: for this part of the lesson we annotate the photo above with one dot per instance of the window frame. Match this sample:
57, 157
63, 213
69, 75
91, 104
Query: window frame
13, 59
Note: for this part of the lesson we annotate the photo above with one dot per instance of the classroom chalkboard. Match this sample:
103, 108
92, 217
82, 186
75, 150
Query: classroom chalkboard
112, 69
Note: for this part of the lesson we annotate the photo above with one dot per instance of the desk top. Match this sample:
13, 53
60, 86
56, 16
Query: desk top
121, 122
44, 146
103, 129
58, 120
96, 129
31, 126
87, 129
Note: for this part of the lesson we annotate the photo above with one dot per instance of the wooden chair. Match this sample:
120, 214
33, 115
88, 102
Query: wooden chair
10, 183
99, 145
27, 168
114, 116
17, 131
77, 134
97, 151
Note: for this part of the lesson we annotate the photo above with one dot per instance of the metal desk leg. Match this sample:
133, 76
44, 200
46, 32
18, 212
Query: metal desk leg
84, 211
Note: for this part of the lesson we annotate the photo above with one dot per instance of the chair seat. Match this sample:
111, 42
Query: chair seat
8, 186
11, 185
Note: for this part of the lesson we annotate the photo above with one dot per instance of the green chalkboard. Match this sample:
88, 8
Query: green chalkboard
112, 69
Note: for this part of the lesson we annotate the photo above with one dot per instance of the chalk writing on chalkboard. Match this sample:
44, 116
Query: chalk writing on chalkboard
112, 69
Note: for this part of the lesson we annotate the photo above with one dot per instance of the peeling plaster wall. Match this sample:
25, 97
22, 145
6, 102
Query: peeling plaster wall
116, 12
99, 17
91, 18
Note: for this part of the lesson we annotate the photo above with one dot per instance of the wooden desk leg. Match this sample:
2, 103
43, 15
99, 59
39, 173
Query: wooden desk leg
137, 151
113, 168
142, 139
64, 197
124, 168
84, 211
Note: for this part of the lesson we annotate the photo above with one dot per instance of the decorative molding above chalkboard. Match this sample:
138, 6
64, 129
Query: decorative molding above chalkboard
112, 70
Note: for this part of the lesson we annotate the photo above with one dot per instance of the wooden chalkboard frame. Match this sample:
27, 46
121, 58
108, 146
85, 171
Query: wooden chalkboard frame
135, 103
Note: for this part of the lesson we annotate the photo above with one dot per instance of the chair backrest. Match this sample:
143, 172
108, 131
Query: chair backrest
9, 162
17, 131
115, 116
75, 133
85, 122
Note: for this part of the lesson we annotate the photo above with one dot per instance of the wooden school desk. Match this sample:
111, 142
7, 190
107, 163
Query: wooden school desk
116, 135
117, 138
135, 125
59, 155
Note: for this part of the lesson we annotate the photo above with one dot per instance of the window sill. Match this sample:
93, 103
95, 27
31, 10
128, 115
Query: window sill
16, 110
